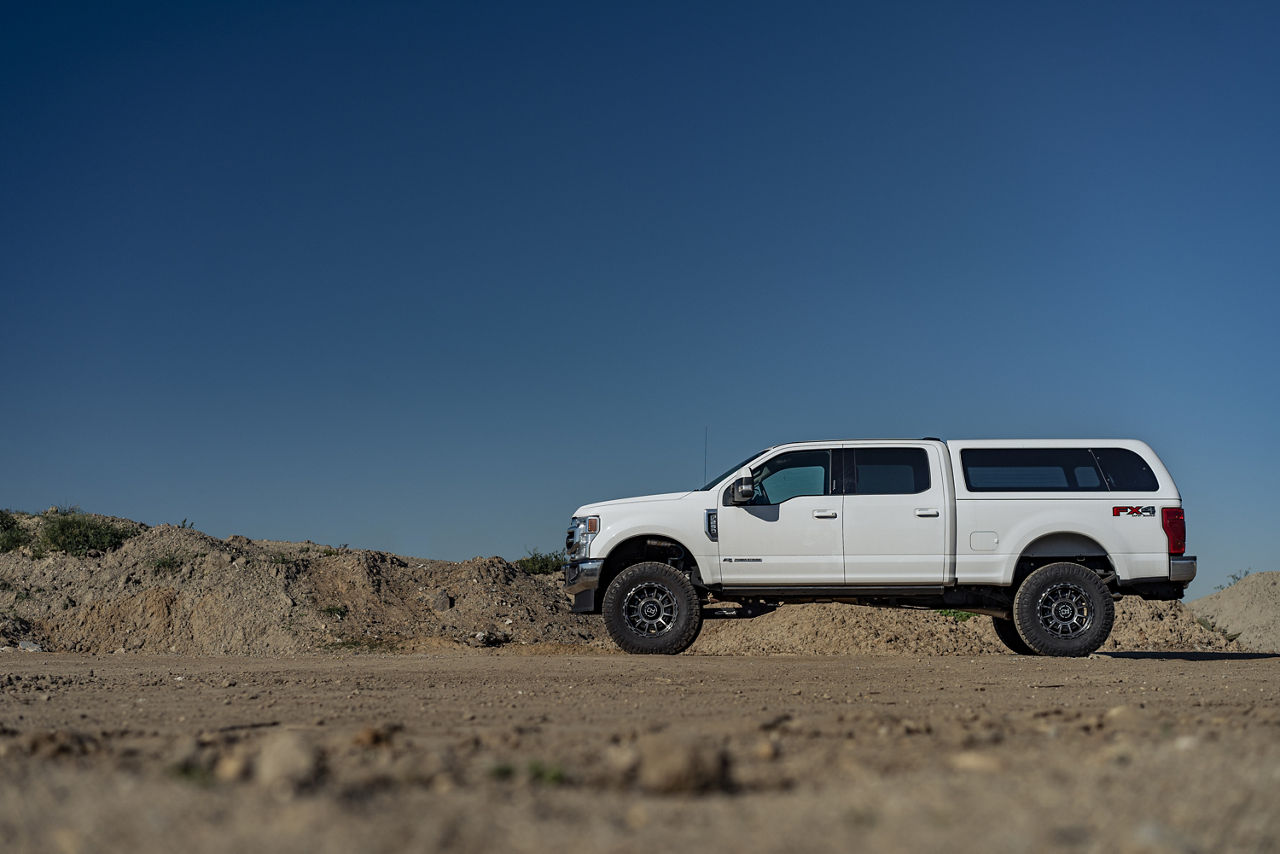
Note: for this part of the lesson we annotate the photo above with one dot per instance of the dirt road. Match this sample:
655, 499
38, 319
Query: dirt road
485, 751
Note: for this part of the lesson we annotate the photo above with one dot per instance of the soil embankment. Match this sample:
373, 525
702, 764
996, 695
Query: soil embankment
1248, 610
174, 590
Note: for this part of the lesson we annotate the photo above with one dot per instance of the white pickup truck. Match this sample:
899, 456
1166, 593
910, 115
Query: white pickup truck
1042, 535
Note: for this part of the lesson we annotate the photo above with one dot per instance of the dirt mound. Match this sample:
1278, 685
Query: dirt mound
172, 589
828, 629
175, 590
1249, 609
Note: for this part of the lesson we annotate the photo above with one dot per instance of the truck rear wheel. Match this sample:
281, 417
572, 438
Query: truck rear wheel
1008, 634
652, 608
1064, 609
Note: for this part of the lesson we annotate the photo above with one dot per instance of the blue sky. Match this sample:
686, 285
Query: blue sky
426, 277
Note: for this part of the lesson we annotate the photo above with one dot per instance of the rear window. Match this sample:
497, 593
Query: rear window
1125, 471
1055, 470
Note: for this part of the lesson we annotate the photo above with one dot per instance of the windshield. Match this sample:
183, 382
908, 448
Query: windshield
730, 471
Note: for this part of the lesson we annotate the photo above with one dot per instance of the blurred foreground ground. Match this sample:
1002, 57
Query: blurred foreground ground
483, 750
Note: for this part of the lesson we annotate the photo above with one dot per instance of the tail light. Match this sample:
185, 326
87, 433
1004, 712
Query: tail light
1175, 528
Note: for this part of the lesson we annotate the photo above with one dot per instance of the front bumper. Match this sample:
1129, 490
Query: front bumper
580, 575
581, 578
1182, 569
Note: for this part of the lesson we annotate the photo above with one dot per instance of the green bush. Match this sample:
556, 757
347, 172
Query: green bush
540, 563
170, 562
12, 534
78, 534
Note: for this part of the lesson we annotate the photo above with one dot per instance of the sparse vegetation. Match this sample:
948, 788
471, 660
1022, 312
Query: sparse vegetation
12, 534
958, 616
338, 612
361, 645
541, 563
77, 533
540, 772
1233, 578
280, 558
167, 563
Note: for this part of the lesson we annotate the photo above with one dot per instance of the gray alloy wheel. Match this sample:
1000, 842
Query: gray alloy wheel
652, 608
1064, 609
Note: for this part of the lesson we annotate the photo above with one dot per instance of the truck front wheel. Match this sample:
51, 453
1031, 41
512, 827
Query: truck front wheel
1064, 609
652, 608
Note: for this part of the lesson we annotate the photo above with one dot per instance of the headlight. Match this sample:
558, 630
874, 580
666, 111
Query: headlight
582, 530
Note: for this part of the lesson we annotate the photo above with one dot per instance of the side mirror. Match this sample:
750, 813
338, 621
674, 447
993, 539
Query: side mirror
742, 491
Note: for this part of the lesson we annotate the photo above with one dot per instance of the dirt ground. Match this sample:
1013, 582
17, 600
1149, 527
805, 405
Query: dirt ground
565, 748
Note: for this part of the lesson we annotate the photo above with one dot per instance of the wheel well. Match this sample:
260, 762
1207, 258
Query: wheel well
646, 548
1063, 546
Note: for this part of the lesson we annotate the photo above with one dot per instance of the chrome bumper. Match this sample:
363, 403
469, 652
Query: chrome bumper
582, 575
1182, 568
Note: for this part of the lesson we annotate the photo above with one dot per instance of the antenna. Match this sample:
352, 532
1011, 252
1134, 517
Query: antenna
706, 441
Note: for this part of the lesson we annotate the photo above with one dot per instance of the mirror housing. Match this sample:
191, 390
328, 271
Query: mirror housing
742, 491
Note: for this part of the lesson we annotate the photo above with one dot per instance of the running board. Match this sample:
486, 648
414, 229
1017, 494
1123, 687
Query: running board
844, 591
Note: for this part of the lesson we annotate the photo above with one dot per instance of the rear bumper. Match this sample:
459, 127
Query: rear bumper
1182, 569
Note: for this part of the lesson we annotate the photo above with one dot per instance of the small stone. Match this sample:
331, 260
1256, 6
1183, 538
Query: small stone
765, 749
229, 769
442, 601
288, 760
621, 761
669, 765
375, 736
29, 646
972, 760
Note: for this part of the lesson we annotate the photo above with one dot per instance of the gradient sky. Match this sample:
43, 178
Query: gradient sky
426, 277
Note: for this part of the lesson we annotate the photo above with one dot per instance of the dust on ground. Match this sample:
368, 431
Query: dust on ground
481, 751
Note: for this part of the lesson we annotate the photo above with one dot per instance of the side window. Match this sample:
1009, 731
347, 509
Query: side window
1031, 470
886, 471
791, 474
1125, 471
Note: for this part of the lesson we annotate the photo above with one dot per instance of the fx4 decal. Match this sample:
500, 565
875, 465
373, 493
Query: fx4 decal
1133, 511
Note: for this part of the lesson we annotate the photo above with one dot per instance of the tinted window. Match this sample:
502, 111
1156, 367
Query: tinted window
1031, 470
791, 474
1125, 471
886, 471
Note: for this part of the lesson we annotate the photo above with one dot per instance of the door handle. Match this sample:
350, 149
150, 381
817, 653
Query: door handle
926, 512
824, 514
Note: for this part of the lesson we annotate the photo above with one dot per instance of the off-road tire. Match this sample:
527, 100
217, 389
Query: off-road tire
652, 608
1008, 634
1063, 609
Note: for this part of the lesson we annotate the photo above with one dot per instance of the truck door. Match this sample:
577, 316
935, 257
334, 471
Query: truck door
895, 515
790, 533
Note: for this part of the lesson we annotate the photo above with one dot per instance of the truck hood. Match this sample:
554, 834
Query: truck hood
593, 509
